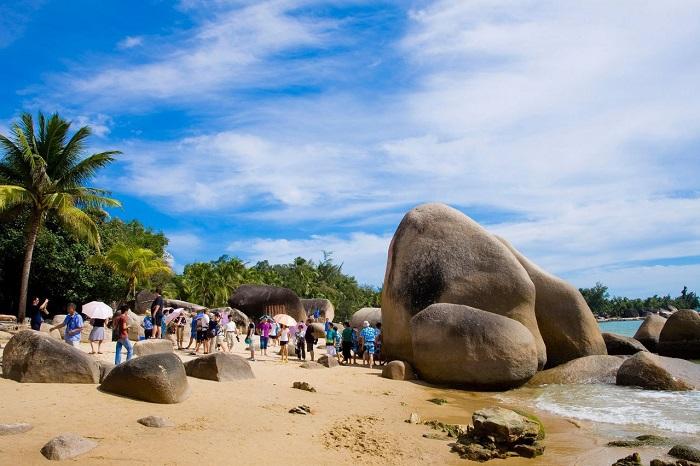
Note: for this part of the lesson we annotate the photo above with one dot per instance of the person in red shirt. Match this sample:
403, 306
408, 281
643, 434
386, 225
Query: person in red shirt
121, 326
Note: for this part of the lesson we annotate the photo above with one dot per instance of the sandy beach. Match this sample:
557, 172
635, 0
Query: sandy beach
357, 417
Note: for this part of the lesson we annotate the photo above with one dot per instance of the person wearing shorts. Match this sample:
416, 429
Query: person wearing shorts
265, 328
330, 341
310, 339
284, 340
367, 337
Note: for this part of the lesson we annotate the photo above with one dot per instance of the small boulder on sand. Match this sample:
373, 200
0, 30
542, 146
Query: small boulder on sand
220, 367
153, 346
622, 345
67, 446
12, 429
303, 386
329, 362
35, 357
156, 421
398, 370
310, 365
158, 378
652, 372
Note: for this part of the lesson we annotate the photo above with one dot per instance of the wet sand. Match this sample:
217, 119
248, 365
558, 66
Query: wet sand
358, 418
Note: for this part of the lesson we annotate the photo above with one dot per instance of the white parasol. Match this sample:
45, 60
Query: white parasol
173, 314
284, 319
97, 310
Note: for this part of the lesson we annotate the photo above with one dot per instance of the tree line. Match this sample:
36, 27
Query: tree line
600, 302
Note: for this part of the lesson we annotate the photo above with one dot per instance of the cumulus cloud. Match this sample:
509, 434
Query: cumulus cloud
130, 42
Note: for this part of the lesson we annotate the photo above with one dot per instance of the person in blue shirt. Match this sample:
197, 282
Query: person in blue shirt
147, 325
367, 337
74, 326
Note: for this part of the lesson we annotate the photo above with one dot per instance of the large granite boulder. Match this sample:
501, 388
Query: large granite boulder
144, 299
398, 370
653, 372
157, 378
467, 347
586, 370
565, 321
135, 330
648, 333
373, 315
35, 357
153, 346
220, 367
239, 317
680, 337
318, 330
439, 255
258, 300
620, 344
58, 319
324, 306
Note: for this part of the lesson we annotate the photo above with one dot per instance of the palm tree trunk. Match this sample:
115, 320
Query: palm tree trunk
33, 232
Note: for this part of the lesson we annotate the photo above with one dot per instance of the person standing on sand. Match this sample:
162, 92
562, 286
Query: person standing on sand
202, 328
367, 337
249, 340
157, 313
310, 339
284, 342
180, 323
121, 326
328, 325
147, 325
265, 327
330, 342
300, 343
193, 329
35, 312
378, 339
74, 326
231, 333
97, 334
346, 338
274, 333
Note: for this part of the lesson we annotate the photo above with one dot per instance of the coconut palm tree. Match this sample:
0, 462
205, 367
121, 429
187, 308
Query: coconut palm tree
44, 173
136, 264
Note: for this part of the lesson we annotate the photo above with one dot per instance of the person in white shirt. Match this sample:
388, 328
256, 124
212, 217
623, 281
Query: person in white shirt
231, 333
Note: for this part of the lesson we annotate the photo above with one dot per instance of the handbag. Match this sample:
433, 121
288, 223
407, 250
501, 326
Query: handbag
248, 341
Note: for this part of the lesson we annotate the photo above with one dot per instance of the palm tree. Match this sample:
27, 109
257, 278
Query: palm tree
45, 174
136, 264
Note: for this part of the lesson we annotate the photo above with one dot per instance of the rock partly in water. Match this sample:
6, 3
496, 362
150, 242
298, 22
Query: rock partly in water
680, 337
648, 333
220, 367
328, 362
586, 370
641, 441
439, 255
652, 372
12, 429
157, 378
632, 460
463, 346
67, 446
685, 452
35, 357
153, 346
398, 370
156, 421
303, 386
622, 345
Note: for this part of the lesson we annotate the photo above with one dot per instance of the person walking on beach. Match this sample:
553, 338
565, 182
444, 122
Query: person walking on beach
147, 325
202, 320
180, 323
231, 334
157, 313
328, 325
356, 347
274, 333
310, 339
378, 339
213, 333
346, 342
35, 311
284, 342
265, 327
97, 334
121, 326
193, 329
249, 340
73, 323
367, 337
300, 343
330, 342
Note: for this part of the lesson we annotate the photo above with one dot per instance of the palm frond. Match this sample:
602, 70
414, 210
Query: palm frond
78, 223
13, 196
86, 168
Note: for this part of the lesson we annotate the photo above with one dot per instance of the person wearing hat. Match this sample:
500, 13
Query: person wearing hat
367, 336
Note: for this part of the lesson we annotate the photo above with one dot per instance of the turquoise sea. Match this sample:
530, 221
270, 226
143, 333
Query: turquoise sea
622, 327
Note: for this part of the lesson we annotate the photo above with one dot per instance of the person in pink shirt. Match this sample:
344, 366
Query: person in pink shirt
265, 327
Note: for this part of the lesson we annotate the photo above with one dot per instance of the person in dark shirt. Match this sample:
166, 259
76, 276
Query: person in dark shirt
35, 312
157, 313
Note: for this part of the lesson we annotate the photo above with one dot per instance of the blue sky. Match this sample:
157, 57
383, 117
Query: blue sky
275, 129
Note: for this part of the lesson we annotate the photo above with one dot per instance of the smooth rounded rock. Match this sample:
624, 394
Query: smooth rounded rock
373, 315
653, 372
13, 429
398, 370
648, 333
156, 421
67, 446
35, 357
157, 378
462, 346
258, 300
680, 337
220, 367
439, 255
311, 365
329, 362
622, 345
324, 307
586, 370
153, 346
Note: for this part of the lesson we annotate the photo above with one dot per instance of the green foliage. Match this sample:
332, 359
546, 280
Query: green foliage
601, 304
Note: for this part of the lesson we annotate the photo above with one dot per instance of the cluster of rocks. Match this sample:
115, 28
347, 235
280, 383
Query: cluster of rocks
684, 455
500, 433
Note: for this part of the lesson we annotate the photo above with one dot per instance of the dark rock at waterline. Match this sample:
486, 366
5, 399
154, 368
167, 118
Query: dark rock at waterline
157, 378
641, 441
586, 370
220, 367
35, 357
653, 372
632, 460
648, 333
680, 337
685, 452
67, 446
463, 346
622, 345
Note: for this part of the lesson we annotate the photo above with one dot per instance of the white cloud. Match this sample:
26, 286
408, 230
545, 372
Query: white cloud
100, 124
362, 255
130, 42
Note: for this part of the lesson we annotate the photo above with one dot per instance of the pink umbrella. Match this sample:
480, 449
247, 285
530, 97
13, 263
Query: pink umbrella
284, 319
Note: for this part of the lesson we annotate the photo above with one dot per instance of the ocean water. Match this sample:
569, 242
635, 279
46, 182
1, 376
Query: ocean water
621, 327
